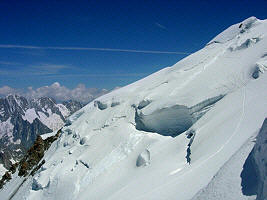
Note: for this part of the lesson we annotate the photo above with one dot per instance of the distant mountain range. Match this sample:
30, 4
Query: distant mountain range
21, 120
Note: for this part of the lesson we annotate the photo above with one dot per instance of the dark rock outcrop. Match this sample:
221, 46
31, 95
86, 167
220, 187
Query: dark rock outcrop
32, 161
35, 154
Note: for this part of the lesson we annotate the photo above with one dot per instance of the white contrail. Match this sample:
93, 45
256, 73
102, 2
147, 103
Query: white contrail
8, 46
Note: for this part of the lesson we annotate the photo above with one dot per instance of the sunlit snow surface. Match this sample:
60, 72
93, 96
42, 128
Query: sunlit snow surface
96, 156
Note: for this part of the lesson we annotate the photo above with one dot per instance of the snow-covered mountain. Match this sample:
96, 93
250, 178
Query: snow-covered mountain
21, 120
184, 132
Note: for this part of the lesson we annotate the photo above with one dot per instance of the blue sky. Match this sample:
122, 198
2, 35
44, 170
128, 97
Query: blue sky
173, 26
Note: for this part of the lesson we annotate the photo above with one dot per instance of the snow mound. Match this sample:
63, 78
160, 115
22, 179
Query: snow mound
143, 159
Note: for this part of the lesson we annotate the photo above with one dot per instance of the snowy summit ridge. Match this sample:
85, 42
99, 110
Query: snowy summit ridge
119, 146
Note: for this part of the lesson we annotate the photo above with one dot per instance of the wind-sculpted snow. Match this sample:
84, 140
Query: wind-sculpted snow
174, 120
245, 44
170, 121
209, 102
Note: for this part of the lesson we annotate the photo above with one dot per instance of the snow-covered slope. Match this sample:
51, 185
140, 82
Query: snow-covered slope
119, 146
227, 183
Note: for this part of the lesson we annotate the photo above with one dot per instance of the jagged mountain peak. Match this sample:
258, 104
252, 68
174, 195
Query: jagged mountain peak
44, 100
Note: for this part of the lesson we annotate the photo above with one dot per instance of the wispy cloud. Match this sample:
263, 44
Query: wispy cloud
9, 63
46, 69
160, 26
7, 46
102, 75
61, 71
34, 70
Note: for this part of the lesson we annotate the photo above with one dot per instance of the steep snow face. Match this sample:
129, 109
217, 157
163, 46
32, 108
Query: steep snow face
118, 146
30, 115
